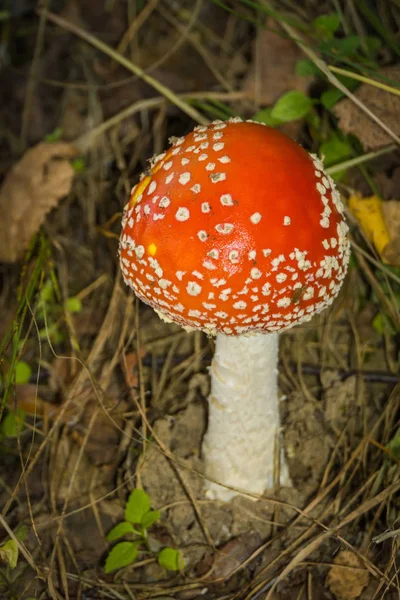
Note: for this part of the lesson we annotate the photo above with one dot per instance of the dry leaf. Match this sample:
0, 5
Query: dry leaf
369, 213
32, 399
391, 212
130, 367
232, 555
30, 190
347, 583
274, 71
384, 105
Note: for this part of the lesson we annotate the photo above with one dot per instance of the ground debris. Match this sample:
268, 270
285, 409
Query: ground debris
339, 398
31, 189
391, 211
228, 558
347, 579
384, 105
307, 441
274, 70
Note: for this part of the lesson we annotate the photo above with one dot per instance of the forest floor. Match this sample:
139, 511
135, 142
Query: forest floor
98, 396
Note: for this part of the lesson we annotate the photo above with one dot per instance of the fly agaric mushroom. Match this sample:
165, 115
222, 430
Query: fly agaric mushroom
237, 231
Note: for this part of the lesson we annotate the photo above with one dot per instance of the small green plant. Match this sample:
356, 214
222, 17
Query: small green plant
12, 423
9, 554
139, 517
11, 569
50, 310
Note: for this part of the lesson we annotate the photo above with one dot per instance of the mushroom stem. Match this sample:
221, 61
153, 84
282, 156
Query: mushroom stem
240, 446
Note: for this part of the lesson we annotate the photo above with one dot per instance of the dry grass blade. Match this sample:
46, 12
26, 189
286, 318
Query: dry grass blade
367, 80
84, 142
305, 552
26, 115
359, 160
378, 539
136, 25
130, 66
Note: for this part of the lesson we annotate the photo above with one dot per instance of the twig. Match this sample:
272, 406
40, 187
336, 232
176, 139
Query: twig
378, 539
84, 141
331, 532
129, 65
136, 25
364, 79
359, 160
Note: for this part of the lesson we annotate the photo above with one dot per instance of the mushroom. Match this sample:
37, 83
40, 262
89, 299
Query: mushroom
238, 232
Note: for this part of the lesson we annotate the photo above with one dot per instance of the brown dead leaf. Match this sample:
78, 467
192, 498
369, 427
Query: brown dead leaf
391, 212
130, 367
30, 190
34, 400
383, 104
232, 555
348, 581
274, 70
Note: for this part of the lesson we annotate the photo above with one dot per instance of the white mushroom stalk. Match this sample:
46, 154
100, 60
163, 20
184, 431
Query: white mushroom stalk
241, 448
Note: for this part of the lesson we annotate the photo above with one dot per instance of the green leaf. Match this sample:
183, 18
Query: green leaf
372, 16
382, 324
21, 532
78, 165
170, 559
331, 96
378, 323
264, 116
394, 445
12, 423
54, 136
122, 555
335, 149
291, 106
373, 45
9, 554
313, 119
326, 25
306, 68
73, 305
341, 47
23, 372
47, 292
120, 530
150, 518
137, 506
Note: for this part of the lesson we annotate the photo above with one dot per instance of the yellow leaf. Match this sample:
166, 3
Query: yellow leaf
368, 212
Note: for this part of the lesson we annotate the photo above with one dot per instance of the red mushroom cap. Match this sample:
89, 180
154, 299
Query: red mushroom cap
236, 229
